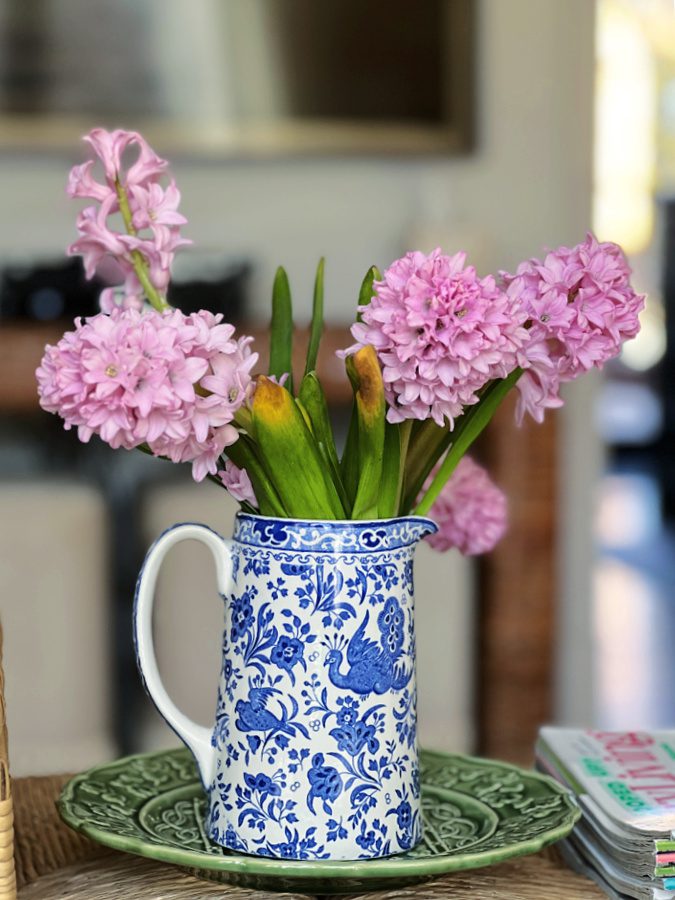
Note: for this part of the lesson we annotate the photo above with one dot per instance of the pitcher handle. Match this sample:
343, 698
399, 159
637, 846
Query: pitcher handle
196, 737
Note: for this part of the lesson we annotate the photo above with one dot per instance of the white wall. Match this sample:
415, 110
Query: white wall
527, 185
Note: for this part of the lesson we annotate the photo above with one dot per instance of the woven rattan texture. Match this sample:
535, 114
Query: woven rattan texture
42, 842
7, 870
121, 878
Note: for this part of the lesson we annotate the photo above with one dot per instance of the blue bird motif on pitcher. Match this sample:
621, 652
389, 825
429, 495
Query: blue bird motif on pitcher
253, 713
373, 666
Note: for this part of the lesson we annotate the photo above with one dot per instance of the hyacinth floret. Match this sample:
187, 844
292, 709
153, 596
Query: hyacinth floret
441, 334
580, 308
168, 382
238, 483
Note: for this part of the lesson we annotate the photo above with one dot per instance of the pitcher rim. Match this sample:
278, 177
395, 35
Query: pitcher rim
322, 535
344, 522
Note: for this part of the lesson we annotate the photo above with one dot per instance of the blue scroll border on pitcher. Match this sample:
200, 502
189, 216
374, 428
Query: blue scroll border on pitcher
320, 536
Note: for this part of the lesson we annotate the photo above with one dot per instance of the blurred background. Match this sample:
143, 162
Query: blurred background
356, 130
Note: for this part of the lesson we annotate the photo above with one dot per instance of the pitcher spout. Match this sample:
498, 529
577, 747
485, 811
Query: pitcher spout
420, 527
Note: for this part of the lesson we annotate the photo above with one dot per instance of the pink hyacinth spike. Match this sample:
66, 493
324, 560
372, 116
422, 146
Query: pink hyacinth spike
145, 248
441, 334
580, 308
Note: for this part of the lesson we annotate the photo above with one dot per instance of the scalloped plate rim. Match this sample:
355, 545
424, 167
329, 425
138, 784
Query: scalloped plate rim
364, 869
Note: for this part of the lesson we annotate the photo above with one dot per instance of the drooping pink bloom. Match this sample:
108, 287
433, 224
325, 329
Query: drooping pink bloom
470, 511
238, 483
81, 183
441, 333
580, 308
109, 147
139, 379
153, 235
97, 240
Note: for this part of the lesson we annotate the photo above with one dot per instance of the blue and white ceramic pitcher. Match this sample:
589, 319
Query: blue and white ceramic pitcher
314, 750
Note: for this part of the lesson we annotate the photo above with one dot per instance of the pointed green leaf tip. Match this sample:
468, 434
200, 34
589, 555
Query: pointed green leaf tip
365, 375
317, 320
291, 456
366, 291
281, 329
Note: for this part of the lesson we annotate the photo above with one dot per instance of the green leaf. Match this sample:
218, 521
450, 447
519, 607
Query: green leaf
281, 329
243, 454
366, 291
396, 438
365, 375
317, 320
349, 463
314, 400
291, 455
312, 403
466, 431
428, 443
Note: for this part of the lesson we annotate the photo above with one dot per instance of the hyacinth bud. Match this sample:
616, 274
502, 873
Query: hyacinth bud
291, 456
364, 373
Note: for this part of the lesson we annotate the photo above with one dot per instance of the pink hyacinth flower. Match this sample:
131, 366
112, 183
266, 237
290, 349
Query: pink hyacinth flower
470, 511
580, 308
109, 147
140, 379
441, 334
81, 183
97, 240
155, 205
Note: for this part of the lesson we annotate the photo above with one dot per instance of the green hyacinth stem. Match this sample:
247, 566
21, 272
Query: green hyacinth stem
138, 261
469, 427
428, 443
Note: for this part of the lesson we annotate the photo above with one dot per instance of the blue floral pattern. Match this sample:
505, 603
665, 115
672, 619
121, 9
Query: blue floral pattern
316, 722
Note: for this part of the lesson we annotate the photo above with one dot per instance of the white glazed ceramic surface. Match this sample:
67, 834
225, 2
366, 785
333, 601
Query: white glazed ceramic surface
314, 750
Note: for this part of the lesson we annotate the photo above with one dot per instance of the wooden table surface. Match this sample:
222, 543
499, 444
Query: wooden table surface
55, 863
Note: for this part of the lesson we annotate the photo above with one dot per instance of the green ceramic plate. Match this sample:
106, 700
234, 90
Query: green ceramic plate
476, 812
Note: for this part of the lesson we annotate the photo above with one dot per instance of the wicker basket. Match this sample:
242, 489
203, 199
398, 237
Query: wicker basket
7, 871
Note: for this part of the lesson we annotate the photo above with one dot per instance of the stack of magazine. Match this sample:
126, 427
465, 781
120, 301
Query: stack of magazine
624, 783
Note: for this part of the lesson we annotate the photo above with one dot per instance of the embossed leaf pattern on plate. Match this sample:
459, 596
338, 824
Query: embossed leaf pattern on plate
475, 812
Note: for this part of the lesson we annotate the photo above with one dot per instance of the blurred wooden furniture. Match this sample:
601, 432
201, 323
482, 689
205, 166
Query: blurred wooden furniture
517, 596
515, 624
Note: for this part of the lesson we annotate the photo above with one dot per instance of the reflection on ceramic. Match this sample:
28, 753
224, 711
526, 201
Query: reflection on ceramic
476, 812
314, 750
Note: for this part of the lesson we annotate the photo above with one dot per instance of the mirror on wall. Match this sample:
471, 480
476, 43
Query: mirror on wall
241, 77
